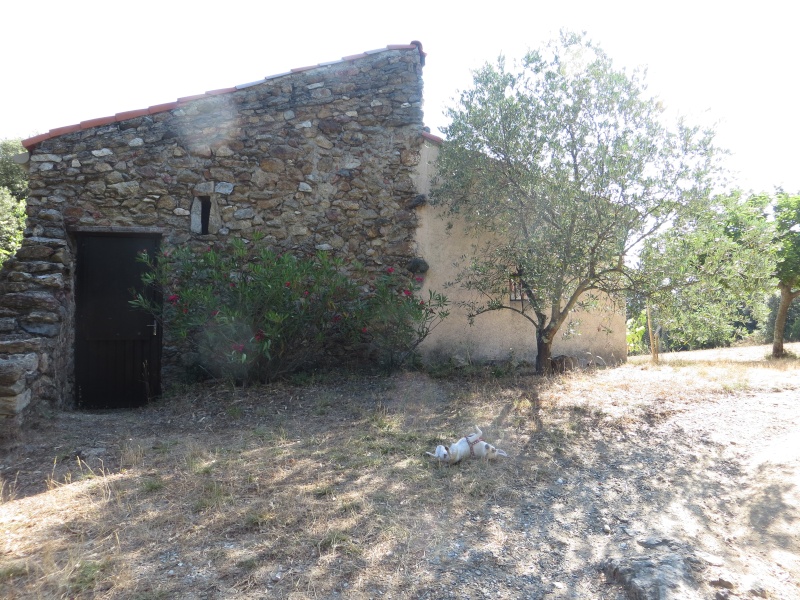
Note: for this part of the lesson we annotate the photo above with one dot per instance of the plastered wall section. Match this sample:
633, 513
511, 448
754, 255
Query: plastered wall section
499, 335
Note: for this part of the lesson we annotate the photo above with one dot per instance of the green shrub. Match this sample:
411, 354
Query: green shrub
12, 222
251, 314
635, 329
398, 321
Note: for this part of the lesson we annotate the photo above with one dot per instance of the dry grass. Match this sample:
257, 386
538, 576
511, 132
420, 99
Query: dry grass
300, 492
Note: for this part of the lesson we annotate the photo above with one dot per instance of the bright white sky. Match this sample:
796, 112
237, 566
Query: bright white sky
733, 64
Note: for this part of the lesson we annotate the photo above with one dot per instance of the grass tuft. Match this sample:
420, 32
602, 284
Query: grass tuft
152, 484
11, 571
86, 576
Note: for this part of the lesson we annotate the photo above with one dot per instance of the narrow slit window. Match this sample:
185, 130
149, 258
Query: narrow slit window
205, 213
200, 215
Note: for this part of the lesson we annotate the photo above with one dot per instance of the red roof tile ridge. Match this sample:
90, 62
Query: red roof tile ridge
31, 142
433, 138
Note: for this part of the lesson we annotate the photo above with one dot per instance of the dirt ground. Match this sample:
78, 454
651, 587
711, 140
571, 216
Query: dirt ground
682, 479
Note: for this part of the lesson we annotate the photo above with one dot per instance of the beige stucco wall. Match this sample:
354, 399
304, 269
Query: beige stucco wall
502, 334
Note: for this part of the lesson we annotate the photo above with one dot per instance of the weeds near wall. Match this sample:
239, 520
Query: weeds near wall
247, 313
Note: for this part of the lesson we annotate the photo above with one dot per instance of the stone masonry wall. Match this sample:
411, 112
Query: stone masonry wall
317, 159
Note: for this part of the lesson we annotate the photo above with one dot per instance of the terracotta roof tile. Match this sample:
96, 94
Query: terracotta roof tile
63, 130
187, 99
276, 76
433, 138
158, 108
35, 139
98, 122
251, 84
222, 91
132, 114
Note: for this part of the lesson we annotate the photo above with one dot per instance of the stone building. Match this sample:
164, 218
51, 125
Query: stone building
328, 157
596, 337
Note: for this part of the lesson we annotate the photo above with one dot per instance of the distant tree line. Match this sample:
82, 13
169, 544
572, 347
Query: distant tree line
587, 193
13, 191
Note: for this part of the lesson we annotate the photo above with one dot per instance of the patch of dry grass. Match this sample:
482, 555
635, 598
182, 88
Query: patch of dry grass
303, 491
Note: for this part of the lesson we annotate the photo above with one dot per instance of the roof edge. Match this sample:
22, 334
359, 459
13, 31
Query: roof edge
30, 143
433, 138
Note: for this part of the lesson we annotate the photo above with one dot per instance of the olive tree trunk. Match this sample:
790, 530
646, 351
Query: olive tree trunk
653, 337
787, 295
544, 362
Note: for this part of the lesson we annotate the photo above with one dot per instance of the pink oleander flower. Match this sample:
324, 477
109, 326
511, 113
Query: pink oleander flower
260, 336
173, 299
406, 292
237, 347
390, 270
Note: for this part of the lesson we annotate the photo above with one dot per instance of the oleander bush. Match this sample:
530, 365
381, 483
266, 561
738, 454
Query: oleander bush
247, 314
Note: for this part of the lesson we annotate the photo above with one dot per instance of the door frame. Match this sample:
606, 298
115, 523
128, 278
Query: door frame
147, 356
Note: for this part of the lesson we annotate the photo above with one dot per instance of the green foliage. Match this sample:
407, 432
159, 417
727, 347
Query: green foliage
791, 332
13, 189
399, 321
787, 226
569, 165
635, 329
12, 222
708, 276
12, 176
253, 315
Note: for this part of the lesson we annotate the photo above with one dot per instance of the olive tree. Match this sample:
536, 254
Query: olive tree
787, 226
570, 165
707, 277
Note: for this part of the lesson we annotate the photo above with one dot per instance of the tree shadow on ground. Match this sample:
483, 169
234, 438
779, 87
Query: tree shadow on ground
325, 490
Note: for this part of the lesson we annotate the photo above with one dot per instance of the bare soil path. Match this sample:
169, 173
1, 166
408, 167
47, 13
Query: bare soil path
681, 479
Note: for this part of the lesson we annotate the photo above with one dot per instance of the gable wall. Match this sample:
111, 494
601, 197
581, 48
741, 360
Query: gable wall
500, 335
316, 159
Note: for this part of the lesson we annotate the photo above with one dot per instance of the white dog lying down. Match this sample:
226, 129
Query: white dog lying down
471, 445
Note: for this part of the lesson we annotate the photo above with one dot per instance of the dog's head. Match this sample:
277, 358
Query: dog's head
492, 452
440, 453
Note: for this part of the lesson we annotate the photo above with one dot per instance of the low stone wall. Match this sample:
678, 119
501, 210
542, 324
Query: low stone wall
317, 159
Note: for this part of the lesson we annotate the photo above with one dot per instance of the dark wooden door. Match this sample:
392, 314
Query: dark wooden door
117, 348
